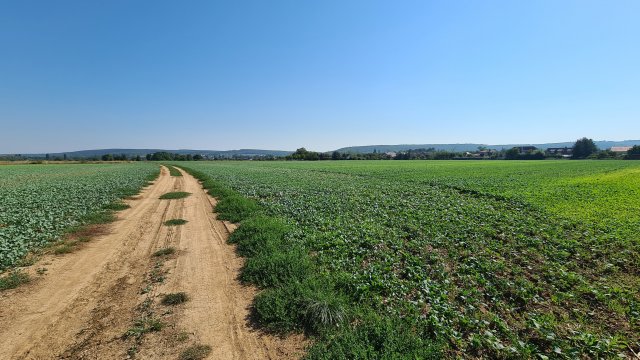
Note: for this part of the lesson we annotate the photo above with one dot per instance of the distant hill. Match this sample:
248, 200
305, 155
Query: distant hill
84, 154
471, 147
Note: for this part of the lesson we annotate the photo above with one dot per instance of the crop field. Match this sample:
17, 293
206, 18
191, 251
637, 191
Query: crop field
535, 259
38, 203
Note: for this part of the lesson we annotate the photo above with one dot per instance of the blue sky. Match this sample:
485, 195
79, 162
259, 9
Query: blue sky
320, 74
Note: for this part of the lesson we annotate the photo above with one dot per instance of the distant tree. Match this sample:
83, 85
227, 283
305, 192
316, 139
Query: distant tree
634, 153
197, 157
583, 148
107, 157
512, 154
148, 156
635, 150
64, 156
47, 156
138, 158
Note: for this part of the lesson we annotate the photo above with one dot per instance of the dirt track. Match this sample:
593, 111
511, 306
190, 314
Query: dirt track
88, 299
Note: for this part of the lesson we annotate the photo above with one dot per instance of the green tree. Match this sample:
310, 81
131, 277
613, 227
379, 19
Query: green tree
583, 148
634, 153
512, 154
635, 150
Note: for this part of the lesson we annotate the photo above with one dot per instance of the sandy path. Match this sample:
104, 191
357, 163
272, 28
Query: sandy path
89, 298
207, 271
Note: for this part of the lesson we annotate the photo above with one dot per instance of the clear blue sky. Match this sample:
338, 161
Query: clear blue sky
321, 74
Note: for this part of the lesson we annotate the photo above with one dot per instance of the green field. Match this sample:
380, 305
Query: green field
429, 259
39, 203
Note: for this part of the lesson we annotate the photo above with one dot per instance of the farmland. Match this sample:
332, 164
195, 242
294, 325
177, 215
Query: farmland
432, 259
39, 203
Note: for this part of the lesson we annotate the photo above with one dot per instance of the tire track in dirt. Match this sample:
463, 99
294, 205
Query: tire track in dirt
217, 313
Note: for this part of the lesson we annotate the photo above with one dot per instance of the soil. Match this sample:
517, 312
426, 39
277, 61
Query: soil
85, 304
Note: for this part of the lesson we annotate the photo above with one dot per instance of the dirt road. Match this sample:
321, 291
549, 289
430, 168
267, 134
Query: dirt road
101, 301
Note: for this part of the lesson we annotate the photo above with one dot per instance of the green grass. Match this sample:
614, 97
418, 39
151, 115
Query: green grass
195, 352
13, 279
165, 251
419, 259
235, 208
63, 249
173, 171
175, 222
175, 195
174, 298
117, 206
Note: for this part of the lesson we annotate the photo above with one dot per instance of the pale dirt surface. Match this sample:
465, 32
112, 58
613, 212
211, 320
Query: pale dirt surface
88, 299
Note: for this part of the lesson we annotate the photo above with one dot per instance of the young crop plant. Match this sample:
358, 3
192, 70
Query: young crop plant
42, 203
175, 195
442, 259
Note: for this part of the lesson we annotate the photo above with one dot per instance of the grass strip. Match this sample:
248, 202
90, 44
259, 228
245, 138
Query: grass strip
296, 296
175, 222
173, 171
175, 195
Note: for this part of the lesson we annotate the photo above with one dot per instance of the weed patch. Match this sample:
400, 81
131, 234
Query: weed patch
173, 171
175, 222
175, 195
195, 352
235, 208
165, 251
143, 326
63, 249
174, 298
14, 279
117, 206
